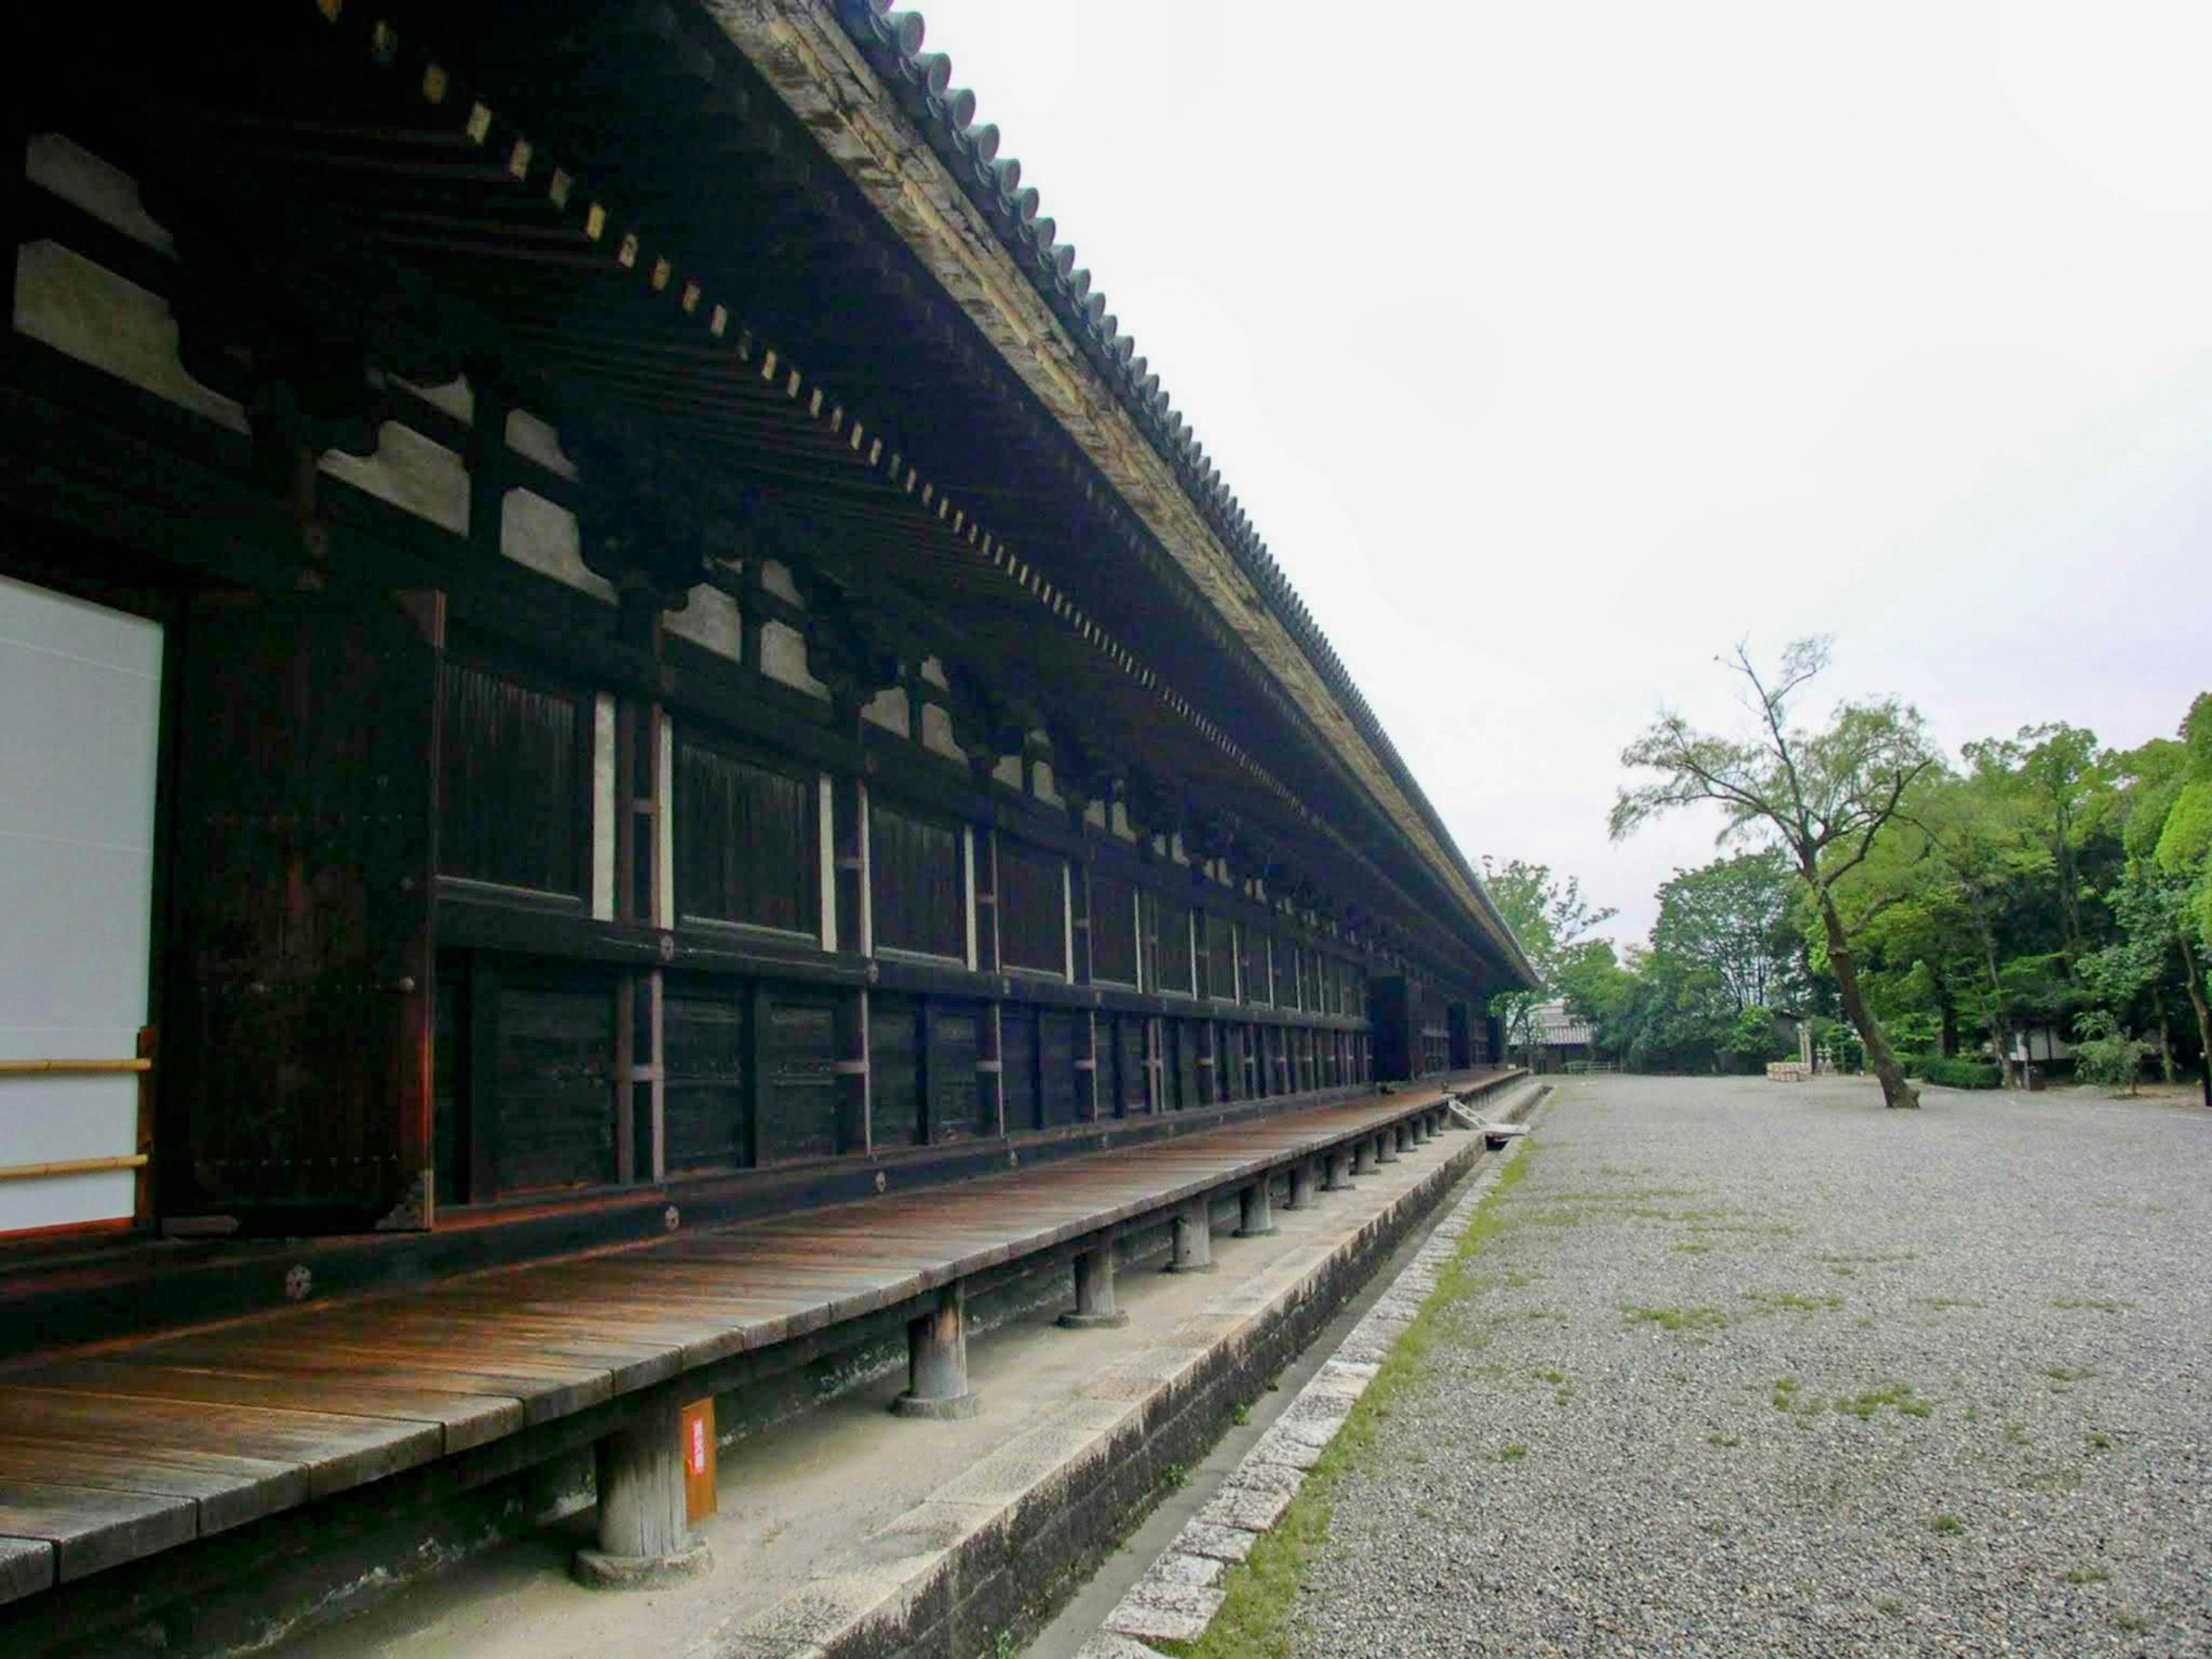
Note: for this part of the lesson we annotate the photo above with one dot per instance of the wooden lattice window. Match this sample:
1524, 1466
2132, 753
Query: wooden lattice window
1113, 930
512, 780
748, 842
920, 882
1032, 910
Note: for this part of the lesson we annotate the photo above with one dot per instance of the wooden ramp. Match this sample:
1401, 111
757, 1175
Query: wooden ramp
114, 1451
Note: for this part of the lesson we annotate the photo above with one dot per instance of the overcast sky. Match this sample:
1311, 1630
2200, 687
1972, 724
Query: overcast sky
1554, 347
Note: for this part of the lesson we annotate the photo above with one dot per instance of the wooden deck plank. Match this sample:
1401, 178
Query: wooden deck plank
134, 1446
337, 1451
229, 1490
469, 1419
545, 1391
90, 1529
26, 1566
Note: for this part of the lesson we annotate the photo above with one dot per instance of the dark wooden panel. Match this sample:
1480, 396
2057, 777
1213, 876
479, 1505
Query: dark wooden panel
1175, 944
448, 1128
552, 1078
748, 842
300, 878
1057, 1098
1252, 958
797, 1093
1032, 909
959, 1107
1129, 1063
706, 1102
512, 782
1113, 930
1221, 956
895, 1070
920, 883
1018, 1049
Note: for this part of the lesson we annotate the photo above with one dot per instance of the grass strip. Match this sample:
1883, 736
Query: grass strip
1262, 1589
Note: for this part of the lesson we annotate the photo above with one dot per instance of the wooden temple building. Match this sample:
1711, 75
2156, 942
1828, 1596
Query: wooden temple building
601, 633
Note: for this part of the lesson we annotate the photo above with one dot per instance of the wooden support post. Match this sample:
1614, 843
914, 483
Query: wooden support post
1340, 1170
1093, 1289
1365, 1156
645, 1541
936, 1360
1194, 1239
1302, 1185
850, 1074
1386, 1145
1255, 1213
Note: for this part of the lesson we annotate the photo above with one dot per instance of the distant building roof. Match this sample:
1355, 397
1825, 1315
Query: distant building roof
1557, 1028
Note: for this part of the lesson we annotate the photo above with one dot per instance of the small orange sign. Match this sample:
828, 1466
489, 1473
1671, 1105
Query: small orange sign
697, 1425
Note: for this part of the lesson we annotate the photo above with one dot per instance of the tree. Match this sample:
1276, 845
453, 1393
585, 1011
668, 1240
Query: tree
1978, 846
1823, 796
2055, 774
1731, 917
1553, 921
2167, 833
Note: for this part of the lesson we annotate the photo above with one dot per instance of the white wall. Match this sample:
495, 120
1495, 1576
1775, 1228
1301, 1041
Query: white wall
80, 711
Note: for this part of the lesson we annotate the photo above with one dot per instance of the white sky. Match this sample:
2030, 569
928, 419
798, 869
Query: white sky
1554, 348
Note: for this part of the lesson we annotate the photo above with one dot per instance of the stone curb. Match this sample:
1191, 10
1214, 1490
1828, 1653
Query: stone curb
1179, 1594
871, 1608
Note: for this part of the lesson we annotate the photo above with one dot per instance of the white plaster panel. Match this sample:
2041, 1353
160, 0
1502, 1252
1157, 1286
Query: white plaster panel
710, 618
528, 435
457, 397
110, 195
108, 321
1046, 790
535, 531
411, 472
777, 579
80, 711
783, 657
933, 672
888, 709
1008, 771
603, 807
664, 819
936, 733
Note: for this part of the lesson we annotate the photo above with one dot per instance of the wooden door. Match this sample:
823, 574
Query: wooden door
297, 1095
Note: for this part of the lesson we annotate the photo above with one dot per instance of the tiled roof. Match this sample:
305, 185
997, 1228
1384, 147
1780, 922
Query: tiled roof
892, 40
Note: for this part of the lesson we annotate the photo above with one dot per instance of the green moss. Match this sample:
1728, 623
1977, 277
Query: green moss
1676, 1319
1946, 1525
1262, 1589
1791, 1302
1897, 1397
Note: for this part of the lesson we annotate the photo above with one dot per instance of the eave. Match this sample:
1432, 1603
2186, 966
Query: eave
890, 136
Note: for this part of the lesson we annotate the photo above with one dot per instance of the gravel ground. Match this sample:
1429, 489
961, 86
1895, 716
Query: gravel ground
1761, 1368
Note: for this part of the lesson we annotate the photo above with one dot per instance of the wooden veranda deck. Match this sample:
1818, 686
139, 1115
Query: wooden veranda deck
114, 1451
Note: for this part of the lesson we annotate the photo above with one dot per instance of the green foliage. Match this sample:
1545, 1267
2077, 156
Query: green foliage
1732, 920
1822, 796
1957, 1073
1753, 1039
2045, 880
1553, 921
2106, 1054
